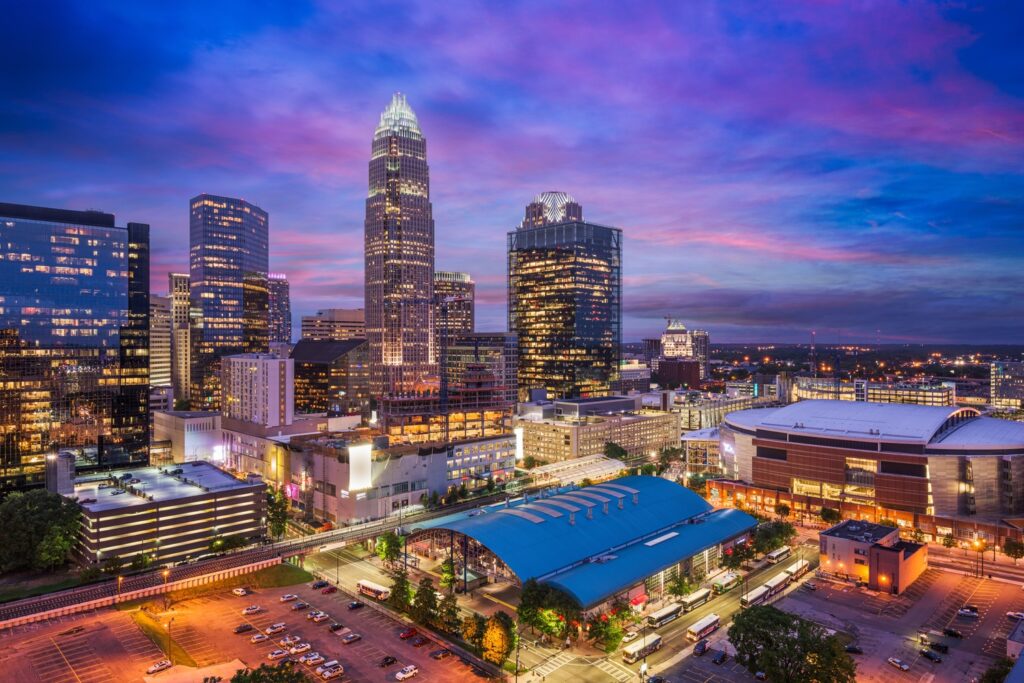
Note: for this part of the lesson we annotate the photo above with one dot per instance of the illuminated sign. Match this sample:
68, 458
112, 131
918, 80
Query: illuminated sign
359, 467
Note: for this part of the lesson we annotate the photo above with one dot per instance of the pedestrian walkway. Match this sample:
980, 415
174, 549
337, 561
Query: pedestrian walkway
614, 669
553, 664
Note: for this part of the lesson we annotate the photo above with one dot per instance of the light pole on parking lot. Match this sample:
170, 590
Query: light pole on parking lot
170, 656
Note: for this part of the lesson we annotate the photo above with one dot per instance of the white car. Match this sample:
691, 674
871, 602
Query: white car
351, 638
332, 673
328, 665
300, 648
288, 641
275, 628
159, 666
289, 597
1016, 616
321, 618
899, 664
407, 672
259, 638
630, 636
969, 613
277, 654
240, 592
251, 609
311, 659
313, 613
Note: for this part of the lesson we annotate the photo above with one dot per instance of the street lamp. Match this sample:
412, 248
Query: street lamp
120, 580
166, 573
170, 656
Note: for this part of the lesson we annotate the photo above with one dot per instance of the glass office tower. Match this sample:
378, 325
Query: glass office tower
228, 267
279, 302
565, 302
74, 341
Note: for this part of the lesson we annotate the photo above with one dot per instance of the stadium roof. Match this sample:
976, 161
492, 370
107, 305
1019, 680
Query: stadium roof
583, 541
854, 419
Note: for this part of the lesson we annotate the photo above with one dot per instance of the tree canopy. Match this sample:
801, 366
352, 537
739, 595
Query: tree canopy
547, 608
400, 591
424, 603
614, 450
830, 515
389, 547
39, 528
267, 673
277, 512
499, 638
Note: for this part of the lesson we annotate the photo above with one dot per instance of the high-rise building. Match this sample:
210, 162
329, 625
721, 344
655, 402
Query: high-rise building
178, 289
1007, 388
565, 299
228, 266
159, 341
74, 341
334, 324
499, 351
455, 294
332, 377
258, 388
679, 342
399, 252
279, 306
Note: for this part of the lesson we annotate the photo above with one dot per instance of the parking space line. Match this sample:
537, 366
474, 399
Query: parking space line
65, 660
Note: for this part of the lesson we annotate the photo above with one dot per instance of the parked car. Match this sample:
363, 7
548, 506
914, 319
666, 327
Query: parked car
444, 653
854, 649
312, 658
335, 672
312, 614
969, 613
811, 586
657, 679
334, 663
386, 662
251, 609
259, 638
928, 654
299, 606
274, 655
300, 648
355, 604
240, 592
159, 666
939, 647
351, 638
336, 626
275, 628
408, 633
630, 636
953, 632
720, 657
323, 616
971, 608
289, 597
700, 648
898, 663
329, 590
243, 628
1016, 616
316, 585
419, 641
761, 676
288, 641
407, 672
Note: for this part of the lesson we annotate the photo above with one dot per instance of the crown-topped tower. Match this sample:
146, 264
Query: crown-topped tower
552, 207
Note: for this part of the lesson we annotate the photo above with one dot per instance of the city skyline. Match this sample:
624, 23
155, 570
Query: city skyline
851, 171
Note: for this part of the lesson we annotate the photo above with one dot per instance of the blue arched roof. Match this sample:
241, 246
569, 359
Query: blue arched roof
653, 527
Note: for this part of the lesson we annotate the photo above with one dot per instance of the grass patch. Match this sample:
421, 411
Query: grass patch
157, 632
40, 589
277, 576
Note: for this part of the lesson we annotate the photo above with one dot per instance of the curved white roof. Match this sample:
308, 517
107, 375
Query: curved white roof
853, 419
984, 432
398, 118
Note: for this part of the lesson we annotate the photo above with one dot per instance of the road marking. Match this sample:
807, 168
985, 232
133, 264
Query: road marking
553, 664
615, 670
65, 660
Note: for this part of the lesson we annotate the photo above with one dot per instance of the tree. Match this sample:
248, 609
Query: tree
277, 512
1013, 549
648, 469
917, 535
447, 569
141, 561
399, 598
89, 573
782, 510
490, 485
547, 608
697, 483
948, 541
113, 565
389, 548
830, 515
998, 672
681, 585
473, 628
268, 673
614, 450
448, 613
424, 603
734, 557
789, 649
585, 482
39, 528
498, 638
888, 521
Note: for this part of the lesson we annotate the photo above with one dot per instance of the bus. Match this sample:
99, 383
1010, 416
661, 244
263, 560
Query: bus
779, 554
754, 597
797, 569
726, 582
641, 648
702, 628
777, 583
665, 615
374, 590
696, 599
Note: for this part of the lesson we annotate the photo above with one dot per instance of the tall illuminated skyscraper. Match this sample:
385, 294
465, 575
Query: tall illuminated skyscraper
458, 292
679, 342
565, 299
399, 252
228, 265
280, 308
178, 290
159, 341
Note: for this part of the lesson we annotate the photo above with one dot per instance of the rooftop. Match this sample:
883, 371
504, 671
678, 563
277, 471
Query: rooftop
189, 414
398, 118
152, 484
984, 432
327, 351
856, 530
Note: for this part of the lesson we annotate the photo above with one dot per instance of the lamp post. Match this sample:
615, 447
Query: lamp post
166, 573
170, 656
120, 580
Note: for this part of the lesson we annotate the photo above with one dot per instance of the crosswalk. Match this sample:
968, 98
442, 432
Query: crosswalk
615, 670
553, 664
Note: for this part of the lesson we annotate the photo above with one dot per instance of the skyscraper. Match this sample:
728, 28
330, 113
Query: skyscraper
159, 341
399, 252
679, 342
1007, 385
228, 265
178, 288
456, 293
334, 324
565, 299
74, 341
280, 308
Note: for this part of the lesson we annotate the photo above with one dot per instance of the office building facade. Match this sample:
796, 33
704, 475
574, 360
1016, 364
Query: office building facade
499, 351
679, 342
565, 303
334, 324
74, 341
160, 341
178, 290
556, 439
455, 294
399, 253
332, 377
1007, 385
827, 388
279, 309
258, 388
228, 263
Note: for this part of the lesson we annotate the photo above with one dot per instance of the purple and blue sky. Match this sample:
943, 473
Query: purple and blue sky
856, 168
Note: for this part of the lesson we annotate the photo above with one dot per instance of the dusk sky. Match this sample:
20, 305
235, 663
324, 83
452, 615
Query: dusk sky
856, 168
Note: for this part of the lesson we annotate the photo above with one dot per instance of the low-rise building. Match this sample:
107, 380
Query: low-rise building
824, 388
873, 554
701, 454
562, 438
191, 434
166, 514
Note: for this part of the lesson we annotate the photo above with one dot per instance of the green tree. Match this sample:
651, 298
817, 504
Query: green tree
648, 469
268, 673
737, 555
400, 589
681, 585
141, 561
448, 573
473, 628
782, 510
39, 530
888, 521
1013, 549
89, 573
547, 608
830, 515
998, 672
490, 485
113, 565
585, 482
948, 541
789, 649
277, 512
614, 450
424, 603
917, 535
389, 548
448, 613
498, 638
697, 483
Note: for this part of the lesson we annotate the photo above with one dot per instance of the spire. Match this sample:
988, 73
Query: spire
398, 118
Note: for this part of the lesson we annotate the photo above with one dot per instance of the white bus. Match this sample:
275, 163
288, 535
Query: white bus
696, 599
374, 590
797, 569
754, 597
665, 615
777, 583
702, 628
726, 582
779, 554
641, 648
